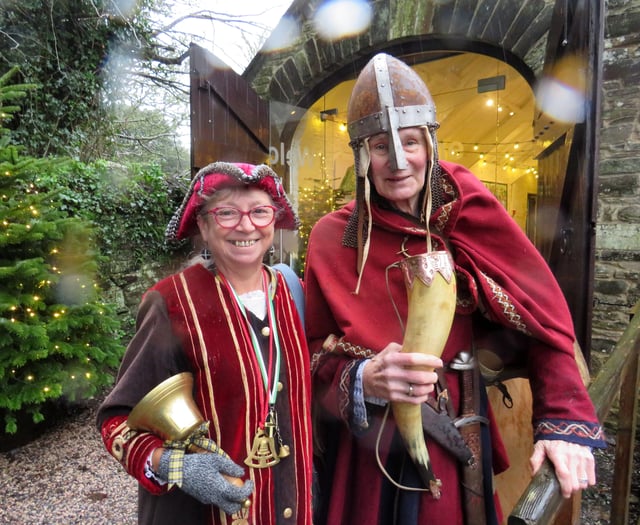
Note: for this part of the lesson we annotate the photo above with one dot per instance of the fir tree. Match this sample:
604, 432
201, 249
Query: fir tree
57, 339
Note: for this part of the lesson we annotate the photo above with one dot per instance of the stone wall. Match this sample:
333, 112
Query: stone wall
506, 29
617, 279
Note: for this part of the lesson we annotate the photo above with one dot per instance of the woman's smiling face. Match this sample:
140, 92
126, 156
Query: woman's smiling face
244, 245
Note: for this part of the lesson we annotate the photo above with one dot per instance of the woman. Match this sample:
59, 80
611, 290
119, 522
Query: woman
356, 306
232, 323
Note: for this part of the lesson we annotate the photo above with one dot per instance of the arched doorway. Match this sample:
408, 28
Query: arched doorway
507, 144
486, 110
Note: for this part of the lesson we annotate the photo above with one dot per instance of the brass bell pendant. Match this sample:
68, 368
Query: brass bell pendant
263, 452
284, 451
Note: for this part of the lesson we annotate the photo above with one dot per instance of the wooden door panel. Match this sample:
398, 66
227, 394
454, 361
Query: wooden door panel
229, 121
565, 232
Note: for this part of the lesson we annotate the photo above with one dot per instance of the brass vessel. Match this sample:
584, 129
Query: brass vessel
168, 410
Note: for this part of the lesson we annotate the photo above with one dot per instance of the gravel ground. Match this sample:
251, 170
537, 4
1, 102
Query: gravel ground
596, 502
66, 477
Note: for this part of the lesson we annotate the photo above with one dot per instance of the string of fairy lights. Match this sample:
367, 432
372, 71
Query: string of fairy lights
34, 308
512, 156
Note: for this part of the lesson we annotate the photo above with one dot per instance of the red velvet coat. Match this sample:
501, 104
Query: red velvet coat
188, 322
496, 267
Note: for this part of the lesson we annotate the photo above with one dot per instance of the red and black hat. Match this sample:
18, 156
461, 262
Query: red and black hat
220, 175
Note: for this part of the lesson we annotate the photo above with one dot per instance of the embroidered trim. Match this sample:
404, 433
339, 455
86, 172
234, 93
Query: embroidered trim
121, 433
333, 345
451, 201
579, 431
448, 188
344, 389
351, 350
508, 308
443, 217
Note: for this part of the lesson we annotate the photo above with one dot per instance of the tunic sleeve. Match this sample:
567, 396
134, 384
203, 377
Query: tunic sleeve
153, 355
518, 291
334, 375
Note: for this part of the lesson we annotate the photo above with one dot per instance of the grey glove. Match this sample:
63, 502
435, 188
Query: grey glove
202, 478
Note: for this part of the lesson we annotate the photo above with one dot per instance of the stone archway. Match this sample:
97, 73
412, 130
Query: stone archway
515, 32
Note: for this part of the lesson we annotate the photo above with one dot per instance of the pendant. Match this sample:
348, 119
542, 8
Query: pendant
284, 451
263, 451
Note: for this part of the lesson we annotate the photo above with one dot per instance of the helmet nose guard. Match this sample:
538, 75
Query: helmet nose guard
387, 96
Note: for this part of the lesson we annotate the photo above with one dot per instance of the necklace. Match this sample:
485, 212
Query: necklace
263, 451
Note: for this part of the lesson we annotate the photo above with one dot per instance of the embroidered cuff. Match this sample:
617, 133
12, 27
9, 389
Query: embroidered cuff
360, 418
579, 432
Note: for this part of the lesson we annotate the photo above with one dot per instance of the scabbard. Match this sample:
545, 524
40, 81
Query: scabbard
469, 423
440, 428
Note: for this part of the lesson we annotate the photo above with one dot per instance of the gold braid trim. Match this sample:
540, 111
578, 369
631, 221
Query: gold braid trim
334, 345
509, 310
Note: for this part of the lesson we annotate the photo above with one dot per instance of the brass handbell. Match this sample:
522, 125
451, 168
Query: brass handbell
169, 412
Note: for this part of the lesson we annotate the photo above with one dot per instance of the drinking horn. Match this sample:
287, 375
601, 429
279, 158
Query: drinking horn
431, 290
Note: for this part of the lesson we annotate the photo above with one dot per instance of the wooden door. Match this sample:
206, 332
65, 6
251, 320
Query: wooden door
567, 188
564, 229
229, 121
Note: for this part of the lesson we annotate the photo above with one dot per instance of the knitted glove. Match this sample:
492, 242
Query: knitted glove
202, 478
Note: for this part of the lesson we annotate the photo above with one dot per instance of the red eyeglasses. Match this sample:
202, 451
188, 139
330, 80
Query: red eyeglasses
229, 217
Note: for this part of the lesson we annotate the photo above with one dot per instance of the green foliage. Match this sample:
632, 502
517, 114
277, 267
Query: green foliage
128, 205
57, 339
68, 45
315, 202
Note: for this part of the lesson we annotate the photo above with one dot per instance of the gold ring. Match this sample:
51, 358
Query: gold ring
410, 390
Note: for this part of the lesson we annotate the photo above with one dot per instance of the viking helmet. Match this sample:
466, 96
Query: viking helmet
388, 95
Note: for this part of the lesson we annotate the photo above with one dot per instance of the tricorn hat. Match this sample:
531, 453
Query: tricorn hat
220, 175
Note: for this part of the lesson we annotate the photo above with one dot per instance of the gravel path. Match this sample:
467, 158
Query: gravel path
66, 477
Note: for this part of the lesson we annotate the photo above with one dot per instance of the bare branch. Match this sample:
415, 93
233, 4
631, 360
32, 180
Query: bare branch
143, 139
213, 16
